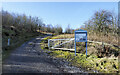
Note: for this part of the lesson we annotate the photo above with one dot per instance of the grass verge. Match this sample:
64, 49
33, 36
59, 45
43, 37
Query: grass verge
15, 42
91, 62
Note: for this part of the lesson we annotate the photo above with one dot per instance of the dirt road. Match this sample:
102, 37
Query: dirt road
30, 58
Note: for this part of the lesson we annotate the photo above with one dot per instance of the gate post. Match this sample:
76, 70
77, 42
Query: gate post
49, 43
86, 44
75, 44
86, 48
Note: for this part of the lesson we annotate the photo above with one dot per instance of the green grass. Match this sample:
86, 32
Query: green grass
91, 62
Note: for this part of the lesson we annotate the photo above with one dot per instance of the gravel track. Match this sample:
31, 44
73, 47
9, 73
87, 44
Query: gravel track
30, 58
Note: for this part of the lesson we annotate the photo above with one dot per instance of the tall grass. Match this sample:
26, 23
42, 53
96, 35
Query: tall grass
110, 39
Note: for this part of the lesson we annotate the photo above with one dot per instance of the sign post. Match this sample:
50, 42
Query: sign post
81, 36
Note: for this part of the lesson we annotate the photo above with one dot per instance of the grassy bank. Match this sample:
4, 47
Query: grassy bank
17, 38
91, 62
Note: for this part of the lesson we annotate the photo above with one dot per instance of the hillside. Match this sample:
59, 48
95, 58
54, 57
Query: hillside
99, 58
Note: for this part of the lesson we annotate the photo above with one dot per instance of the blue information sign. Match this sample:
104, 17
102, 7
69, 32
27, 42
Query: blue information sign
80, 36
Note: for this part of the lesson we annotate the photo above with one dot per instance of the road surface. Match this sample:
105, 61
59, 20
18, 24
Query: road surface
30, 58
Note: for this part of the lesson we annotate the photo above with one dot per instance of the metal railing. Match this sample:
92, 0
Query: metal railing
64, 44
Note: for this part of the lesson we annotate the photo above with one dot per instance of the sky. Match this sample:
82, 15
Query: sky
61, 13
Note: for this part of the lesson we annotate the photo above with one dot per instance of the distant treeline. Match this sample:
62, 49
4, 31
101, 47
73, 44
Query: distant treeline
28, 23
102, 21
